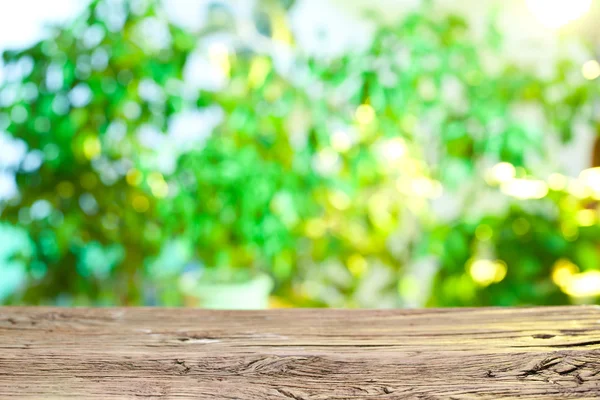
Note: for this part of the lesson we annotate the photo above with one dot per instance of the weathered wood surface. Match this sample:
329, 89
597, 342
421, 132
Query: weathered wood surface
536, 353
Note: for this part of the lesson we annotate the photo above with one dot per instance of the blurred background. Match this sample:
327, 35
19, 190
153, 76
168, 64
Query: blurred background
299, 153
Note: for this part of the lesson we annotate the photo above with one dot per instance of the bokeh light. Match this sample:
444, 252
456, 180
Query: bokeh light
556, 13
485, 272
591, 69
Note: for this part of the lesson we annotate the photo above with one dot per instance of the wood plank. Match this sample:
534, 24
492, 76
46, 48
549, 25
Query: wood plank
123, 353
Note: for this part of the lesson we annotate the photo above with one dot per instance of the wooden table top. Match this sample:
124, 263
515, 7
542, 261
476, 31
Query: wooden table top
121, 353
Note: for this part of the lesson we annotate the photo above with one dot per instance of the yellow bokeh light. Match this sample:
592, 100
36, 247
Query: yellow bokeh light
586, 217
557, 181
378, 202
356, 233
409, 287
483, 232
140, 203
567, 277
218, 54
569, 203
562, 271
379, 210
409, 122
315, 228
502, 172
327, 161
585, 284
424, 187
91, 147
569, 231
280, 29
393, 150
365, 114
590, 70
155, 178
525, 188
339, 200
485, 272
590, 179
273, 91
357, 264
160, 190
277, 302
133, 177
556, 13
341, 141
65, 189
158, 186
259, 69
578, 189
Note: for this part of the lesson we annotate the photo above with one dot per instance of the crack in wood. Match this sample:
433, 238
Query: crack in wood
543, 336
563, 345
542, 366
186, 369
289, 394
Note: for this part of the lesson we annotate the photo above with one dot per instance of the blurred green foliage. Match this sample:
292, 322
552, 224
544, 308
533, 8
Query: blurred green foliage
322, 173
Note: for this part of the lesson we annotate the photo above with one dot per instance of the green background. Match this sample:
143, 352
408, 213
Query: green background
327, 174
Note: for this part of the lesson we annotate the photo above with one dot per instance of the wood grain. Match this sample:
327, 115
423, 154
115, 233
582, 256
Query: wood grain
127, 353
